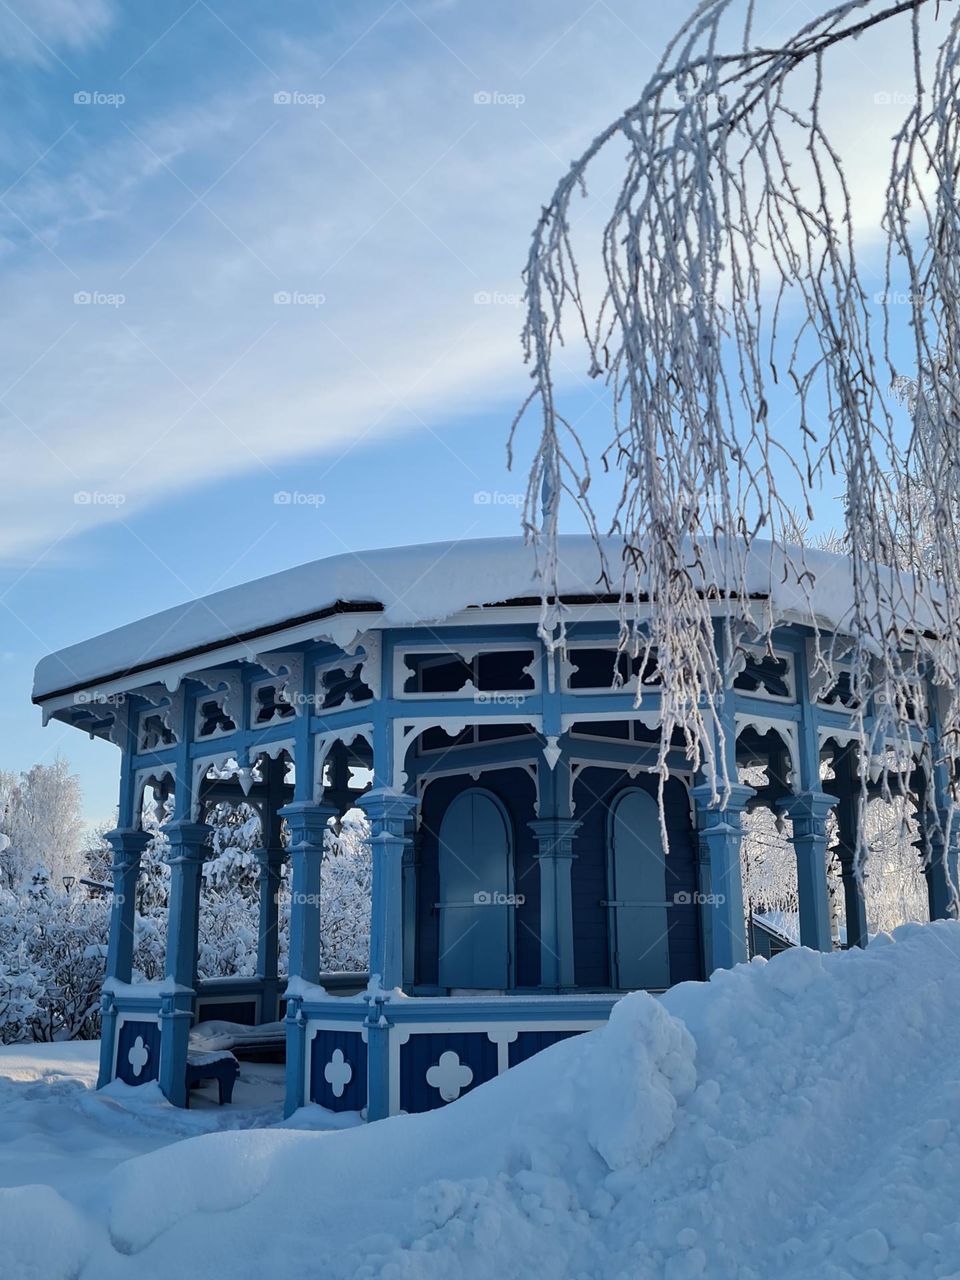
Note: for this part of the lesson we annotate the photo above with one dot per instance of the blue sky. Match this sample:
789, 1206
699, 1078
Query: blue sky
248, 249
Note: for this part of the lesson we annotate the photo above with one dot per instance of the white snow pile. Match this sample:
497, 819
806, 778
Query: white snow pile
433, 582
798, 1119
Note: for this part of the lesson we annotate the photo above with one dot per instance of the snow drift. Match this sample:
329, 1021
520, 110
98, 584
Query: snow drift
799, 1118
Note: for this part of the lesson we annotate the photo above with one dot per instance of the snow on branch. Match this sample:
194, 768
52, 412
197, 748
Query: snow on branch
729, 278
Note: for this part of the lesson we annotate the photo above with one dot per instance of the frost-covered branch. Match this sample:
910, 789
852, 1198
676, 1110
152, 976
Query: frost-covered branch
729, 279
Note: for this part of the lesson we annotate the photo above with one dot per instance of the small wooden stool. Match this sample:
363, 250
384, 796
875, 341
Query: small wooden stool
222, 1067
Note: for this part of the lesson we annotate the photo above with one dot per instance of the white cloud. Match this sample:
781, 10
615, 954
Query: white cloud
43, 31
399, 199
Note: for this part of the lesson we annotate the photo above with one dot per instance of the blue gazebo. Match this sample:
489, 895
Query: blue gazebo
520, 878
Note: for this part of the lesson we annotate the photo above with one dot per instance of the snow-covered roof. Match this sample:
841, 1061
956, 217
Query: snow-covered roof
340, 596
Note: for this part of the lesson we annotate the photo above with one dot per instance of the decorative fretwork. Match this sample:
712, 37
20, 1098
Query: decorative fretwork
766, 675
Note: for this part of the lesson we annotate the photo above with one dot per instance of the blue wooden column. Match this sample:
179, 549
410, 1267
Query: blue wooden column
845, 787
939, 848
940, 835
307, 822
128, 847
719, 826
389, 812
555, 857
808, 811
189, 844
941, 898
270, 862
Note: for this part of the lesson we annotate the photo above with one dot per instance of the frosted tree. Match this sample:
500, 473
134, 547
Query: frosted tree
728, 272
42, 817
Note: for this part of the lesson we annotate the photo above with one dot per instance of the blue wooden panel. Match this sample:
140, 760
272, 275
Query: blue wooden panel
475, 888
528, 1043
329, 1052
421, 1053
242, 1012
138, 1052
595, 794
638, 893
516, 792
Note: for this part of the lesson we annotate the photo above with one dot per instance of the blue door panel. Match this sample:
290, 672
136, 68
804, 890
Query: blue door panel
638, 891
475, 918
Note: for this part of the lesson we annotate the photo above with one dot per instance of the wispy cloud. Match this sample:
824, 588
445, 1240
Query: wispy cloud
50, 31
317, 246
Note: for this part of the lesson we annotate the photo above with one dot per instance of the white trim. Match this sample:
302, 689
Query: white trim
467, 652
144, 714
201, 764
528, 765
368, 669
272, 749
406, 730
567, 667
140, 779
651, 717
283, 685
122, 1019
323, 743
312, 1025
789, 676
787, 730
578, 763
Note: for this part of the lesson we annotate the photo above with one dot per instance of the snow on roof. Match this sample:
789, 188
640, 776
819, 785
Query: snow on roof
408, 586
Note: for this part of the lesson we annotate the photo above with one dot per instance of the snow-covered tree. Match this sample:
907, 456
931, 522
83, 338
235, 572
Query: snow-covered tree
42, 819
346, 887
728, 271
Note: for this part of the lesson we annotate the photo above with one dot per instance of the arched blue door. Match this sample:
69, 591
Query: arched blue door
638, 905
475, 915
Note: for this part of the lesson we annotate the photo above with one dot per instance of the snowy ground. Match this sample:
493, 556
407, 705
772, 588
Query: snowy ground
798, 1119
55, 1130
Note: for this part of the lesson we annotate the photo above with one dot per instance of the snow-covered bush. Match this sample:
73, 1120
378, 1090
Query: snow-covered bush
53, 943
52, 952
20, 993
345, 889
